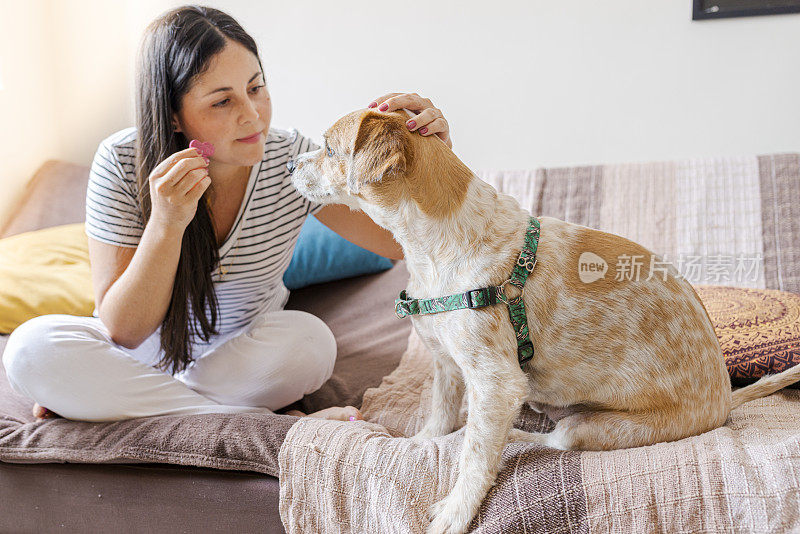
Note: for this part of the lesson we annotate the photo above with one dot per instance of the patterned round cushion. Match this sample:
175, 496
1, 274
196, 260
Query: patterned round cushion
758, 329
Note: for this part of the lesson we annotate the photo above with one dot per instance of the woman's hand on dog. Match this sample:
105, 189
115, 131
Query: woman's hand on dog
429, 119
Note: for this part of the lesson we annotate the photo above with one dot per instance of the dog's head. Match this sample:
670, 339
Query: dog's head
371, 159
362, 148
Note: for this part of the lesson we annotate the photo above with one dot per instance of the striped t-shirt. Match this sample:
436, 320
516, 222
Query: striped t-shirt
259, 247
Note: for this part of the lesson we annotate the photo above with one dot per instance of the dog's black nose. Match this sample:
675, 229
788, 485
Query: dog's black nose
290, 165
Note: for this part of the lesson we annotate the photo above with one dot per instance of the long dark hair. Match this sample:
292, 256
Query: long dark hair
175, 49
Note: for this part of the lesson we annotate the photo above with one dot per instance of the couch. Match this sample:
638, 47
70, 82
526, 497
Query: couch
138, 496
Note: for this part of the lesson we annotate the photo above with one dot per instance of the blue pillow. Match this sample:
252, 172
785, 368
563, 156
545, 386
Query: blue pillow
322, 255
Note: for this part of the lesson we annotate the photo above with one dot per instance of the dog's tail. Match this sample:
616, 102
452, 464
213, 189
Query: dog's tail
765, 386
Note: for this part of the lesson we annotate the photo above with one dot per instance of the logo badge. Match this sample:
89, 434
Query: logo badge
591, 267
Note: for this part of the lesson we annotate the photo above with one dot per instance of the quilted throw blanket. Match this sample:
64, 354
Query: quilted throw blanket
367, 476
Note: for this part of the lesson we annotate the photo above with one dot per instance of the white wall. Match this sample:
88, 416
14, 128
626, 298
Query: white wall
542, 83
524, 83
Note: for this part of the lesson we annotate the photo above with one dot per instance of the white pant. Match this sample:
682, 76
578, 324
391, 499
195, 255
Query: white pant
70, 365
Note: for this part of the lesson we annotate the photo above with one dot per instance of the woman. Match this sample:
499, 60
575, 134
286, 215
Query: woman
194, 289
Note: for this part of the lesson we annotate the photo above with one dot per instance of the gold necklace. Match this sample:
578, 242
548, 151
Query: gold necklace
223, 271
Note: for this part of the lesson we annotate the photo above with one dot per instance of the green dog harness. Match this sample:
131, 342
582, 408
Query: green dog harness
488, 296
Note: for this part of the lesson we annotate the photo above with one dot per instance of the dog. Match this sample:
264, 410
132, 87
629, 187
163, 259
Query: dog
618, 362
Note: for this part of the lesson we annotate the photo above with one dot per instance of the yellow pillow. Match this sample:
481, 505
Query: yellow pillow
43, 272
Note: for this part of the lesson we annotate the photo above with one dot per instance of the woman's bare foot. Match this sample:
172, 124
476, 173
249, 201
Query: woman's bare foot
40, 412
346, 413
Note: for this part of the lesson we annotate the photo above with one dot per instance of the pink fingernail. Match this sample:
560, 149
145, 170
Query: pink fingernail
384, 107
411, 124
423, 130
372, 105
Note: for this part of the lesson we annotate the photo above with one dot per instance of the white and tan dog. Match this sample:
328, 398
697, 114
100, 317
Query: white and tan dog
621, 362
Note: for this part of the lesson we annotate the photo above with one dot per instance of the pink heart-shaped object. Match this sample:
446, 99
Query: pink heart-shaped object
205, 149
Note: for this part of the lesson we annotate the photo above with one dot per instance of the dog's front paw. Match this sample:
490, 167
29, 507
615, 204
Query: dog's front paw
448, 517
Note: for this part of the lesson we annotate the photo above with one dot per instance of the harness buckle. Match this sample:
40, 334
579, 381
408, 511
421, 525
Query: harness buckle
471, 304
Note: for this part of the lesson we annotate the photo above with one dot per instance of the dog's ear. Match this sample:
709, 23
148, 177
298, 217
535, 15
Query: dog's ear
381, 149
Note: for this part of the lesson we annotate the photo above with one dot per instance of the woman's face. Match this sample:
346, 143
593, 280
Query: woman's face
227, 103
